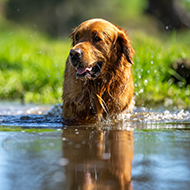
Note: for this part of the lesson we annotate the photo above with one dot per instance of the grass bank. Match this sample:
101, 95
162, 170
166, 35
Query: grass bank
152, 74
32, 67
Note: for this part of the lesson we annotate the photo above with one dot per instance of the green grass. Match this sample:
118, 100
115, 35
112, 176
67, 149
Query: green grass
32, 66
154, 54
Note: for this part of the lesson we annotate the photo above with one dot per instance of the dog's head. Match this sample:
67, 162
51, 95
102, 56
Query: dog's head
97, 43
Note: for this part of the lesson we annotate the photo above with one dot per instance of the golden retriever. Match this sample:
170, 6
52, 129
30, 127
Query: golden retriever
98, 80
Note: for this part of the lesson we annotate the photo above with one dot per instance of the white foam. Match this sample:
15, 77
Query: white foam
165, 116
140, 115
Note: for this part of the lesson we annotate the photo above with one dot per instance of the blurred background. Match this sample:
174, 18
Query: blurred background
59, 17
34, 47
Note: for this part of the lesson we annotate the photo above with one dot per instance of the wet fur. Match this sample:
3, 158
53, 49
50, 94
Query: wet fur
111, 93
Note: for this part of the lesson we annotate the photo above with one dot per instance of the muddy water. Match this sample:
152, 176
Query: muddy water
145, 150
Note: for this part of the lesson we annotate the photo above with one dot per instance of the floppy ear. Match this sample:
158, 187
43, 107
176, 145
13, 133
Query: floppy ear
125, 45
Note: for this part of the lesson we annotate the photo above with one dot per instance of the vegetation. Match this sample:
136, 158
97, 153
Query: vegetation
154, 55
32, 66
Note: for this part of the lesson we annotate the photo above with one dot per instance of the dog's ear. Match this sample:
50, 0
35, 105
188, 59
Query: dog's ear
125, 45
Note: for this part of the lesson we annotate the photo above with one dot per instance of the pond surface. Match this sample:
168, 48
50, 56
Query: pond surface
145, 150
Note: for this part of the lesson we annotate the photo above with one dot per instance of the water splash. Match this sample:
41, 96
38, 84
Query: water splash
179, 116
51, 117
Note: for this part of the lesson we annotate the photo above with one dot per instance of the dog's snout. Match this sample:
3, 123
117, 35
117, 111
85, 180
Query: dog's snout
75, 54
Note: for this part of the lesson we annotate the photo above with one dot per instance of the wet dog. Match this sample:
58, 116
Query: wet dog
98, 80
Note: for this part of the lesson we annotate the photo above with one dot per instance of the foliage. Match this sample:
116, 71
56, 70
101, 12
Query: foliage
58, 17
154, 54
31, 66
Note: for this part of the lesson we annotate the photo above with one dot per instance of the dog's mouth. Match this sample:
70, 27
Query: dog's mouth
90, 72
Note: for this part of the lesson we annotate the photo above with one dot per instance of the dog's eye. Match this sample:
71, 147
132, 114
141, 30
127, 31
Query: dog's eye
97, 39
77, 37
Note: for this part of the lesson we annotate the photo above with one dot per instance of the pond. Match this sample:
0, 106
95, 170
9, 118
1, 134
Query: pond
144, 150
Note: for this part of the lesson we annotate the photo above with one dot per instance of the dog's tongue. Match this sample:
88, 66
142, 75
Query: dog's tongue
81, 70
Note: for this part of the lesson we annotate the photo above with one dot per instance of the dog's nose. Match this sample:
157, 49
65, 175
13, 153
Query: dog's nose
75, 54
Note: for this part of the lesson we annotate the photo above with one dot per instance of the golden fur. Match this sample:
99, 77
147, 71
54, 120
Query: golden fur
98, 78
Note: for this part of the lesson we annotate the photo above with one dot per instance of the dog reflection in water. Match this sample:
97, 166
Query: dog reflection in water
98, 159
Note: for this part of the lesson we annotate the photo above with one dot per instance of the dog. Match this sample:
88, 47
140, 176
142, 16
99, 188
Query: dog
98, 81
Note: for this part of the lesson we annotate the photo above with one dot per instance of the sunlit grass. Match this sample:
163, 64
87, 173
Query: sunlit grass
31, 66
154, 54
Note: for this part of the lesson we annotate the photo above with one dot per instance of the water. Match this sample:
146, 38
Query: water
145, 150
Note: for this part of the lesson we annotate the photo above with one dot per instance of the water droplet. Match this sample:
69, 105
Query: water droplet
98, 145
63, 161
70, 143
106, 156
83, 142
59, 176
151, 62
145, 81
166, 112
40, 112
64, 139
184, 55
77, 146
25, 57
167, 27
